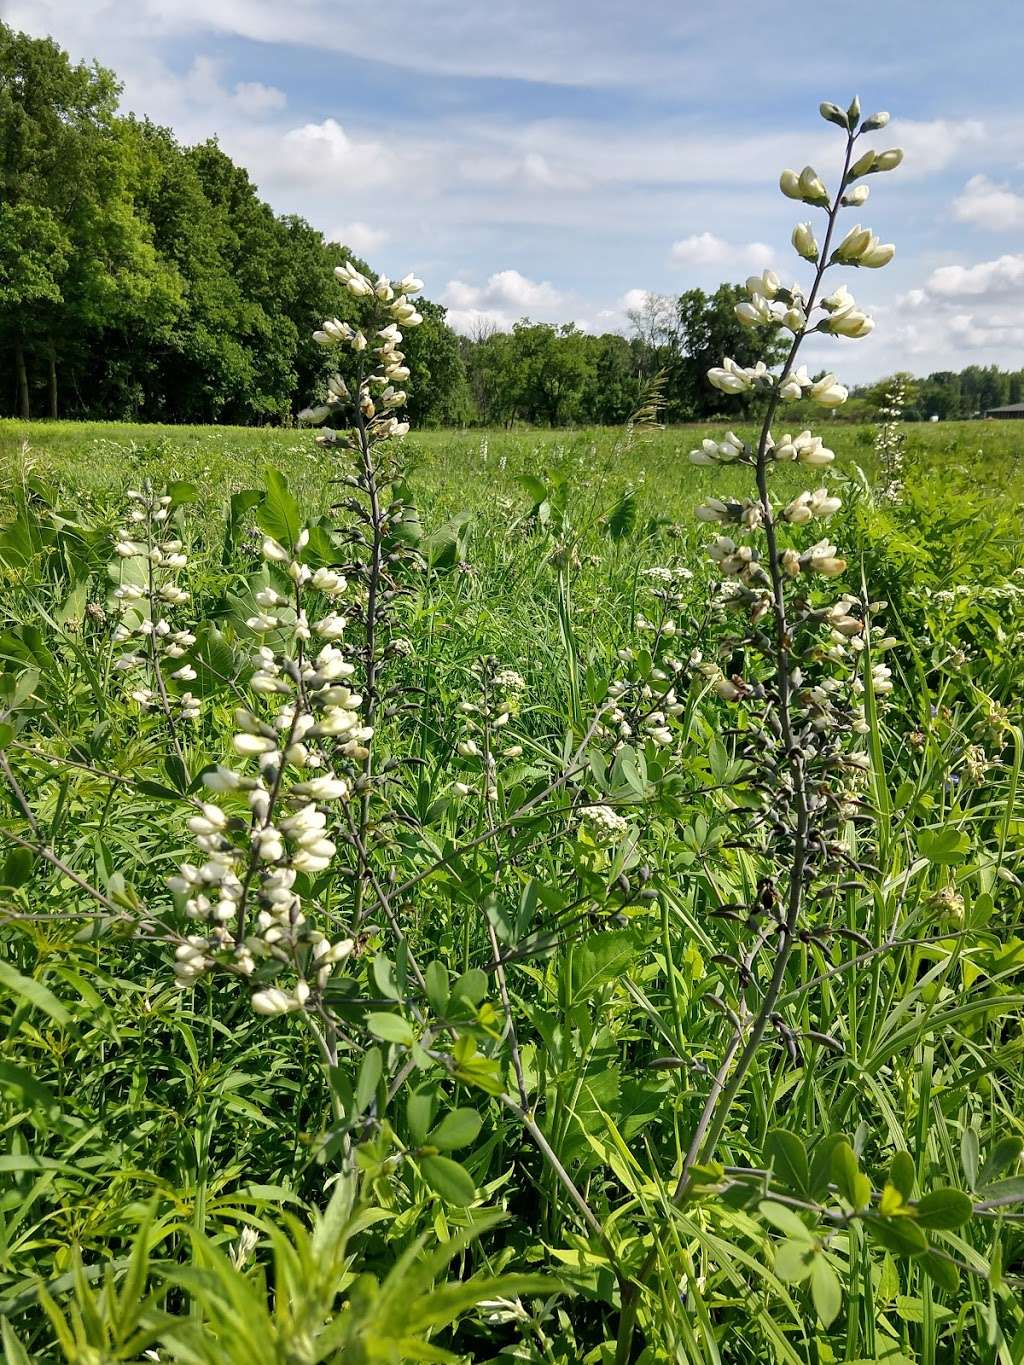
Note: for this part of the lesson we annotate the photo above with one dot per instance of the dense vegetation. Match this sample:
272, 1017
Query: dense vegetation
139, 1116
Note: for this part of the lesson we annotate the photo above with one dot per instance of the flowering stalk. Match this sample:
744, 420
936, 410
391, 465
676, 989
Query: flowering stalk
890, 442
371, 397
146, 597
243, 898
799, 652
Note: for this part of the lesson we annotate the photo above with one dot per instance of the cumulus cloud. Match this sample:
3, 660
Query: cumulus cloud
322, 150
505, 298
253, 97
966, 309
998, 279
634, 299
989, 205
704, 248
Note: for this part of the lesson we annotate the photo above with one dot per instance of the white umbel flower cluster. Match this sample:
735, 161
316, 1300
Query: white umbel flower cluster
603, 825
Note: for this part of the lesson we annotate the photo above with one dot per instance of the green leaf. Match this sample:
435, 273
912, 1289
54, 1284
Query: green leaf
457, 1129
853, 1186
901, 1174
370, 1072
419, 1110
33, 1092
239, 504
821, 1164
471, 986
384, 976
446, 547
945, 847
623, 516
793, 1261
826, 1292
599, 959
901, 1236
320, 549
436, 978
390, 1028
278, 514
14, 1351
215, 662
448, 1179
943, 1272
785, 1153
34, 992
1002, 1155
182, 493
787, 1220
943, 1210
535, 488
18, 867
1010, 1188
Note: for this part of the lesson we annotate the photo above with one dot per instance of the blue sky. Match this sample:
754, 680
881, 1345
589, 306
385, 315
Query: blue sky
557, 160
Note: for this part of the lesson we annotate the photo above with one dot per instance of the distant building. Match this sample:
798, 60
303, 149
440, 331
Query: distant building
1011, 410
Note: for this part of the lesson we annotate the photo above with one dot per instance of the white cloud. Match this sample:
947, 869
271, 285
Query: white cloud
704, 248
989, 205
965, 313
505, 298
324, 150
253, 97
517, 40
997, 279
532, 169
359, 237
932, 146
634, 299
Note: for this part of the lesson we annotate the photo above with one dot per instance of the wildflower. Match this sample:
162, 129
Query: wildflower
766, 284
861, 247
804, 243
829, 392
604, 825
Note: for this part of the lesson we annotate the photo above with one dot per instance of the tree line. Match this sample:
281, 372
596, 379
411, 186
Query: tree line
144, 280
949, 394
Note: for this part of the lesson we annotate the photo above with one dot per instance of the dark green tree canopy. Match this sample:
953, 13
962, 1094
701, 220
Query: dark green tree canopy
142, 279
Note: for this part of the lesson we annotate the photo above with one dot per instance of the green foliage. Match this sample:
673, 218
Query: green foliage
171, 1160
143, 279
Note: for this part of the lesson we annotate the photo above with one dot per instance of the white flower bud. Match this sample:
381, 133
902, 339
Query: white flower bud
272, 1001
804, 243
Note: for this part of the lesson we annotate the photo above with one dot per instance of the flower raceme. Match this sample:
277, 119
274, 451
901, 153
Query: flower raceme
242, 894
148, 595
301, 743
378, 395
820, 643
